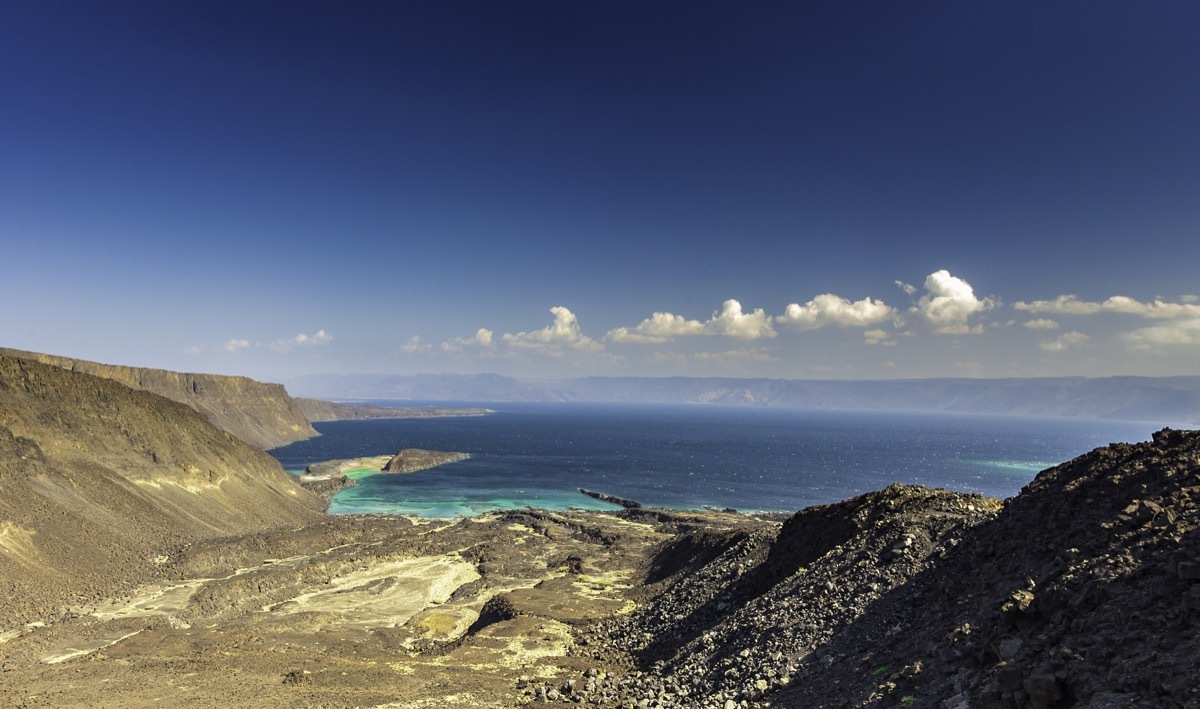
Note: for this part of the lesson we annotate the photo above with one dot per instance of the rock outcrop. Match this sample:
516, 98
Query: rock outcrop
97, 480
260, 414
410, 460
1084, 590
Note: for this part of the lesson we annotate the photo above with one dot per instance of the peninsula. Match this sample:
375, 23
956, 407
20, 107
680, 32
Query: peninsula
331, 476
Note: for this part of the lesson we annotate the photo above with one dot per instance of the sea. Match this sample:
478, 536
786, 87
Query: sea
689, 457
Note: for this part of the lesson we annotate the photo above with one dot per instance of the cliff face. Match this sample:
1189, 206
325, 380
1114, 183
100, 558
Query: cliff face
260, 414
98, 480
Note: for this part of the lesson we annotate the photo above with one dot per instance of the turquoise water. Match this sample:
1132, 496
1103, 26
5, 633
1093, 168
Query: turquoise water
687, 457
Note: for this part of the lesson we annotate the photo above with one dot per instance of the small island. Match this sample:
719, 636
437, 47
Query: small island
332, 476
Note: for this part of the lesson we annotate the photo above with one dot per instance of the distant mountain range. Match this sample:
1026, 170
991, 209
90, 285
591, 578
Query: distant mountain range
1174, 400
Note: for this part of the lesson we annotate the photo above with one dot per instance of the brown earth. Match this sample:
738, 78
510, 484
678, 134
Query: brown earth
98, 480
260, 414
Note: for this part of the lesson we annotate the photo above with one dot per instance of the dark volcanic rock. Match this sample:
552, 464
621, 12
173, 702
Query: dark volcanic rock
1072, 596
410, 460
604, 497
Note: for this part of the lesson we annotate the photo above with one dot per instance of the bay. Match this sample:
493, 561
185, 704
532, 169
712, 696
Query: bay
686, 457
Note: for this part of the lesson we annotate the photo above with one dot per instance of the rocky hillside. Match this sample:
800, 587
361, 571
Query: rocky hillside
99, 482
260, 414
1084, 590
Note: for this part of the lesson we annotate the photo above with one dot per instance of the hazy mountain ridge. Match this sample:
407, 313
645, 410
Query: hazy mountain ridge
259, 413
1167, 399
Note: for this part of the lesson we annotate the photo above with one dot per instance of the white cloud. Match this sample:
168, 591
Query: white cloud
235, 345
1062, 305
659, 327
729, 321
746, 354
829, 309
906, 287
949, 303
1157, 309
481, 338
415, 346
1174, 334
1041, 324
1190, 298
879, 337
554, 339
320, 337
732, 322
1065, 341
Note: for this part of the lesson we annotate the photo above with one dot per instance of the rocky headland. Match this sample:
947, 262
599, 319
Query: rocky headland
148, 558
260, 414
317, 411
330, 477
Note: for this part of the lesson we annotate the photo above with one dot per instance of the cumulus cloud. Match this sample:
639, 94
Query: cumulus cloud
1041, 324
906, 287
1156, 309
879, 337
563, 334
949, 303
829, 309
235, 345
481, 338
318, 338
730, 321
1065, 341
415, 346
1173, 334
1190, 298
659, 327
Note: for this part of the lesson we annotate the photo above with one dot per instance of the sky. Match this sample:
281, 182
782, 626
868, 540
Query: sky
849, 190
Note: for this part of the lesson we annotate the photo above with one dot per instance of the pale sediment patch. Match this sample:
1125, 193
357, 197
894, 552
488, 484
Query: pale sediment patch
383, 595
86, 648
17, 544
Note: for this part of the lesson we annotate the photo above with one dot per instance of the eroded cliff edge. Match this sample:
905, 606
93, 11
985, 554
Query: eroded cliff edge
98, 480
261, 414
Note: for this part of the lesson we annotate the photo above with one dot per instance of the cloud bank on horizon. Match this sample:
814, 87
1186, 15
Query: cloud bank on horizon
946, 307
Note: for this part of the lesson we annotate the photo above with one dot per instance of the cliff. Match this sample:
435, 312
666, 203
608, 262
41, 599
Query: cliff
260, 414
98, 481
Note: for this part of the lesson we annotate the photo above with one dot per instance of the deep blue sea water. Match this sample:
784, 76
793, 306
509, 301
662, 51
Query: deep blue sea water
690, 456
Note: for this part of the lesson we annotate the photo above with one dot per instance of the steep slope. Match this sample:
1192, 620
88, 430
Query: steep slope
260, 414
98, 480
1084, 590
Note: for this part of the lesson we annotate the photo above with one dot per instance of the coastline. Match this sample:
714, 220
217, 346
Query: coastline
328, 478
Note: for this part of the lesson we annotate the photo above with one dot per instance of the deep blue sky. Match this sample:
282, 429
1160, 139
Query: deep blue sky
285, 188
